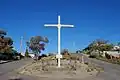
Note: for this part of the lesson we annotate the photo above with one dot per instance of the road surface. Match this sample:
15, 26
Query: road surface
7, 69
111, 71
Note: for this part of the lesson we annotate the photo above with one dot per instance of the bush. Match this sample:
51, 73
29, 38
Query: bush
66, 57
92, 56
27, 53
43, 55
50, 54
5, 56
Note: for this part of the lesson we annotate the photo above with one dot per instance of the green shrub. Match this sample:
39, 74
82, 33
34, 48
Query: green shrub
27, 53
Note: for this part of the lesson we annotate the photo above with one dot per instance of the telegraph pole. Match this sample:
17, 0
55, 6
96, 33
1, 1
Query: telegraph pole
21, 41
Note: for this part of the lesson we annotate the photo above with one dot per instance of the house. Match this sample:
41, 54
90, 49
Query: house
31, 55
116, 48
23, 54
112, 54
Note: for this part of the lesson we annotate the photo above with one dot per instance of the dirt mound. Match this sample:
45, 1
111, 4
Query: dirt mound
69, 69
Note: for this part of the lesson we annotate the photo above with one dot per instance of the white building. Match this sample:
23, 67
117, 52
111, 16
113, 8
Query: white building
112, 53
116, 47
31, 55
23, 54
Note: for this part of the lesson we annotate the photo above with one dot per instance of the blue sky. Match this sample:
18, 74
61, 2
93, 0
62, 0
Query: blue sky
92, 19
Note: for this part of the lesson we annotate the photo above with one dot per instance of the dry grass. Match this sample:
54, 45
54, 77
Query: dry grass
48, 67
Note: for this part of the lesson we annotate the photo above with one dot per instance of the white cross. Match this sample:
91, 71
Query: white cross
59, 25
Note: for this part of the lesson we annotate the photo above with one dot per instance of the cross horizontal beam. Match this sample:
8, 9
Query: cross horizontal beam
52, 25
67, 25
56, 25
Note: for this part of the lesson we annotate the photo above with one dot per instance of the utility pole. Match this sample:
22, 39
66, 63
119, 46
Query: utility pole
21, 41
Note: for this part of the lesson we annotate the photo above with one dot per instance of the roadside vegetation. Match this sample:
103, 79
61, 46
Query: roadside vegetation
96, 50
7, 51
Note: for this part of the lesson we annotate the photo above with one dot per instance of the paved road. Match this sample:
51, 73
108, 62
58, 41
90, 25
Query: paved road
111, 71
8, 67
6, 70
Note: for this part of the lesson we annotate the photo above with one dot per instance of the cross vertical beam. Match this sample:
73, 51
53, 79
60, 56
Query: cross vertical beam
59, 29
59, 25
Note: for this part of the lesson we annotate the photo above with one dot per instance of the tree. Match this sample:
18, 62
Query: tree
65, 52
50, 54
6, 47
99, 45
37, 43
2, 33
106, 47
26, 53
5, 43
78, 51
118, 44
